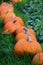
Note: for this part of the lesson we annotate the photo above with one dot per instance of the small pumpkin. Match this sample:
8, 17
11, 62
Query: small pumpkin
34, 48
6, 9
20, 47
17, 19
16, 1
11, 27
38, 58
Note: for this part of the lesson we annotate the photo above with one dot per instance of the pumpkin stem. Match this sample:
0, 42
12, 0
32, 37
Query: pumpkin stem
25, 30
6, 32
15, 21
29, 38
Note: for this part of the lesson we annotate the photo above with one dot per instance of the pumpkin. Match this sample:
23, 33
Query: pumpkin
25, 29
17, 19
34, 48
23, 46
6, 9
11, 27
38, 58
20, 47
25, 36
16, 1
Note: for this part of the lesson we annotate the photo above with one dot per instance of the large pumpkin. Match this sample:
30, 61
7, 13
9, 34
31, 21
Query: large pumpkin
17, 19
38, 58
24, 46
34, 48
26, 36
11, 27
20, 47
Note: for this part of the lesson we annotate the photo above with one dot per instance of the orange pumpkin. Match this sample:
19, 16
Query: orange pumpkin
20, 47
16, 1
38, 58
11, 27
25, 36
6, 10
25, 29
34, 48
23, 46
17, 19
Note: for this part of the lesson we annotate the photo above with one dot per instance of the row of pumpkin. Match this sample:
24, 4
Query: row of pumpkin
25, 37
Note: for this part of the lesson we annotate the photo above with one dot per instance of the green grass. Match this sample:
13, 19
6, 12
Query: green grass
7, 42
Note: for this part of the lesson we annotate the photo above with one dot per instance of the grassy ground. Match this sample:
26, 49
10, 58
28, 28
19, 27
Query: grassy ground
7, 42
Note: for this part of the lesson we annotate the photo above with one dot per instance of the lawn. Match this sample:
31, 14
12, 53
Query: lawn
32, 14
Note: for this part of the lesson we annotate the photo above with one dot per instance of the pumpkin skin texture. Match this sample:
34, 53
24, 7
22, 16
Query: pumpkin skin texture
17, 19
11, 27
38, 58
20, 36
6, 5
5, 14
20, 47
9, 19
34, 48
25, 36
